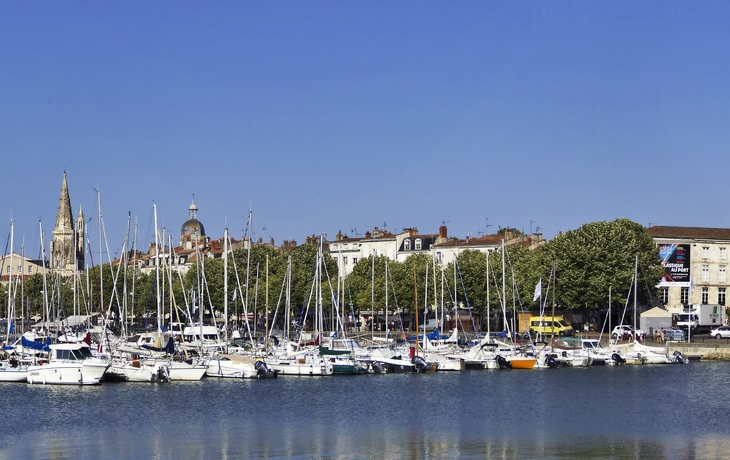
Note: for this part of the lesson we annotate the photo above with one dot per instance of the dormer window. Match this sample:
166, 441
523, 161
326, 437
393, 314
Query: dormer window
418, 244
407, 245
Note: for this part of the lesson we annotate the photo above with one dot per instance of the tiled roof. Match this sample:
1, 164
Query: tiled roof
659, 231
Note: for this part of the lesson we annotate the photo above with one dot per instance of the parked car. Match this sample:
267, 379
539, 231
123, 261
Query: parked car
722, 332
622, 332
674, 335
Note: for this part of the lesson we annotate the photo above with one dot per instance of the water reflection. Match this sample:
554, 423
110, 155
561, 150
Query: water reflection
632, 412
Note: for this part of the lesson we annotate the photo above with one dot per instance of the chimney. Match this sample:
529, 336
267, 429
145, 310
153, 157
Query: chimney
272, 241
338, 237
443, 232
367, 235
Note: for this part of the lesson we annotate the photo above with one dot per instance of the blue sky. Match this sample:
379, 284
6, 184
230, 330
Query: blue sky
327, 116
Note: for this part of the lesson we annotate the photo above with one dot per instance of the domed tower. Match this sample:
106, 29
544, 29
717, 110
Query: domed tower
192, 232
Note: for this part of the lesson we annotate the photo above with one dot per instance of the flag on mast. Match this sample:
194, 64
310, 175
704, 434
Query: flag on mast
538, 290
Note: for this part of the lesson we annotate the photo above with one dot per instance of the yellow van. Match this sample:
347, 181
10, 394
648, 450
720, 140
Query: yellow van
547, 325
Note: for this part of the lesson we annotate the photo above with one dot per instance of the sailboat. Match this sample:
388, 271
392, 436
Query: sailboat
11, 368
295, 358
516, 360
637, 352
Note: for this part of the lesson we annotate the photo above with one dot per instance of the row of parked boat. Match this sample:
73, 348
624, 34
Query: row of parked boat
86, 359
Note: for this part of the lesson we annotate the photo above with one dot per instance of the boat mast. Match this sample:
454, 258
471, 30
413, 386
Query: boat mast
225, 284
387, 323
636, 292
440, 316
287, 322
425, 309
134, 272
415, 302
489, 314
11, 297
504, 292
248, 270
266, 307
456, 294
45, 281
157, 273
555, 280
372, 299
101, 253
125, 257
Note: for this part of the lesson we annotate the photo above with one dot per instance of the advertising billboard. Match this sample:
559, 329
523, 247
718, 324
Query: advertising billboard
675, 260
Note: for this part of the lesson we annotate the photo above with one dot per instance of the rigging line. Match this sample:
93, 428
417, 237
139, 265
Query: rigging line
244, 306
335, 301
256, 299
305, 308
628, 298
466, 298
278, 303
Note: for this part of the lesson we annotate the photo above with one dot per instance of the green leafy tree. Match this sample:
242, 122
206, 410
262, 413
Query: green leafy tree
600, 255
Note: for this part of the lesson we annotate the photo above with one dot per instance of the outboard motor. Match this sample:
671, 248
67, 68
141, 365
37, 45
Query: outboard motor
377, 367
617, 359
503, 363
551, 362
679, 358
420, 363
263, 371
163, 374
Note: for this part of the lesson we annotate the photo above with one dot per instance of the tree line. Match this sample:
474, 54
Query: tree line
577, 268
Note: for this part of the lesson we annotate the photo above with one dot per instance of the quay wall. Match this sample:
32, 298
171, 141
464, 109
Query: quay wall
704, 351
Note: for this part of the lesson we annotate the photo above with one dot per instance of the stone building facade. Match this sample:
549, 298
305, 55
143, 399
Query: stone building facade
696, 261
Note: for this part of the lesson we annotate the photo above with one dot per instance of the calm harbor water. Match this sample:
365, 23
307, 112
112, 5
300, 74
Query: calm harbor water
663, 412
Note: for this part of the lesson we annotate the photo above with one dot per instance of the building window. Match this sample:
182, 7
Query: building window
721, 275
721, 296
705, 273
407, 245
705, 296
665, 295
723, 253
354, 260
418, 244
344, 246
685, 296
438, 257
705, 252
30, 269
344, 260
334, 247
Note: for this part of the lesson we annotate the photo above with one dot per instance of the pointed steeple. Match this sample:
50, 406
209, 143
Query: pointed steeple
63, 246
64, 218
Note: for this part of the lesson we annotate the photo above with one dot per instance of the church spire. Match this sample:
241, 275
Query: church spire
63, 245
64, 218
